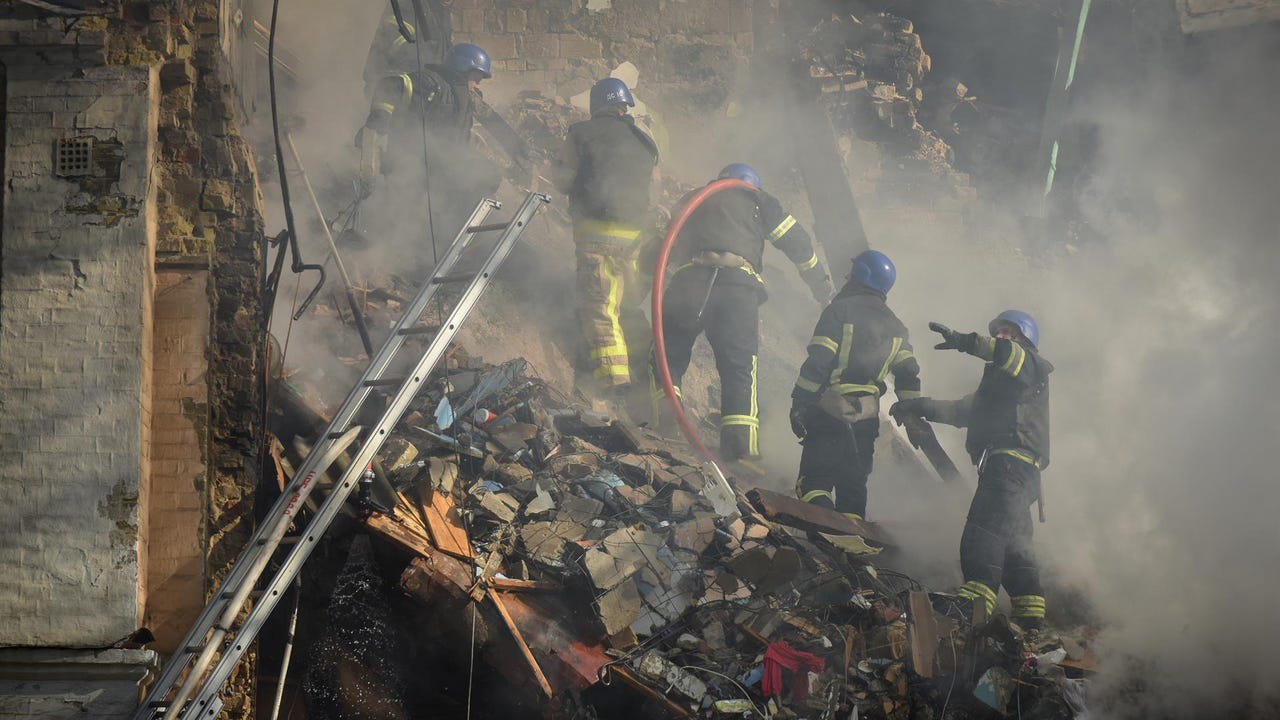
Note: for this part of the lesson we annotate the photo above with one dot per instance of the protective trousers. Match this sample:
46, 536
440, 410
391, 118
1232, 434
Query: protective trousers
836, 462
996, 545
608, 308
730, 318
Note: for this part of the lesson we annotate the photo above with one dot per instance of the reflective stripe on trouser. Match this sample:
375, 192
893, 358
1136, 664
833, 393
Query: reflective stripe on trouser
996, 547
730, 320
605, 269
837, 460
979, 592
1028, 606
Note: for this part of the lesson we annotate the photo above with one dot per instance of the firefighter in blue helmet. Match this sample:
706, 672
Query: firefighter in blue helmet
835, 405
441, 103
716, 287
1008, 440
606, 168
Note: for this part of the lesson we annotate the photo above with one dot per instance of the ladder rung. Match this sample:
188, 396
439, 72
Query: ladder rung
193, 649
421, 330
382, 382
449, 279
488, 228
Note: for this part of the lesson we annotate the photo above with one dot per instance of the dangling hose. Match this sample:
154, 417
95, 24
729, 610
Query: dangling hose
659, 278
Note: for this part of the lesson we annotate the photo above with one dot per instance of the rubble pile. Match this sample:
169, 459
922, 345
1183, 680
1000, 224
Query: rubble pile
872, 74
615, 567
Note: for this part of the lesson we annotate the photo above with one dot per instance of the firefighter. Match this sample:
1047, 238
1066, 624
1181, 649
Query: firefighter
717, 288
391, 52
435, 105
835, 405
440, 94
606, 168
1008, 441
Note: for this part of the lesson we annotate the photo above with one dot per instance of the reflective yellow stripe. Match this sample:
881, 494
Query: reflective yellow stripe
408, 26
907, 394
752, 272
975, 590
808, 385
1013, 365
846, 388
846, 345
605, 371
809, 264
815, 494
606, 228
385, 107
1025, 457
398, 42
753, 437
903, 355
611, 307
893, 352
1028, 606
406, 89
611, 351
1031, 600
739, 420
825, 342
782, 228
852, 516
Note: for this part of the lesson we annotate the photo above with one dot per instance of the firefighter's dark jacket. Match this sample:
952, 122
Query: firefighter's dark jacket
606, 169
858, 341
742, 222
436, 93
1010, 409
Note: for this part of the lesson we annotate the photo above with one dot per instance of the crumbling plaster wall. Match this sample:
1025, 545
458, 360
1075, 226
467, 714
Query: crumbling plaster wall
93, 274
75, 311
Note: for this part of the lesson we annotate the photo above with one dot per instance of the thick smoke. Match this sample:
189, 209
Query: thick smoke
1161, 496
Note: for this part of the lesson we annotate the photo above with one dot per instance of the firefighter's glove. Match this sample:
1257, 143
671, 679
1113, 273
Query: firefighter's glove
917, 430
371, 144
952, 340
924, 407
819, 284
797, 422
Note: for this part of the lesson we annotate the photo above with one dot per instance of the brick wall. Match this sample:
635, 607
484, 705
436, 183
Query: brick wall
179, 449
563, 46
74, 289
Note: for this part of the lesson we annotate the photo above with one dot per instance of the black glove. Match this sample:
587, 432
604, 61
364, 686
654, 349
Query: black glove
797, 422
918, 430
917, 407
952, 340
819, 284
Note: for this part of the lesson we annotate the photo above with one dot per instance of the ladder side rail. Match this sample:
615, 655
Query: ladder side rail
378, 434
378, 364
227, 600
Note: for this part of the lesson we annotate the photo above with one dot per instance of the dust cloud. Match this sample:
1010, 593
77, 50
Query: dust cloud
1161, 496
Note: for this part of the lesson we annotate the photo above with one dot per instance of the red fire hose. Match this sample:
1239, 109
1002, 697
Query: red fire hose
659, 276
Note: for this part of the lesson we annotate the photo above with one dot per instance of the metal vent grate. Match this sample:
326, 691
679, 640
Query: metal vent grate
75, 157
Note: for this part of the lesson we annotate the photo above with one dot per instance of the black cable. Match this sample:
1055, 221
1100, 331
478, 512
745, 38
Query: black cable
297, 265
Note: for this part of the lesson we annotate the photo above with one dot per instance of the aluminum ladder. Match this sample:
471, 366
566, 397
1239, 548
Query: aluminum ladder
190, 683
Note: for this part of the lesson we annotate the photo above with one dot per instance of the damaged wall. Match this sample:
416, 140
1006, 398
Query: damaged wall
77, 283
565, 46
116, 518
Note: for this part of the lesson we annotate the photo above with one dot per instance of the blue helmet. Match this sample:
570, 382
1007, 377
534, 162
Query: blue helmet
465, 57
741, 171
1023, 321
609, 92
875, 270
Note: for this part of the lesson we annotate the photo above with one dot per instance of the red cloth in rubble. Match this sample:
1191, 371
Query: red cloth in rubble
781, 656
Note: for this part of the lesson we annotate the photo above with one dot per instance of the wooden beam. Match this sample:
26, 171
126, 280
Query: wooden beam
807, 516
521, 644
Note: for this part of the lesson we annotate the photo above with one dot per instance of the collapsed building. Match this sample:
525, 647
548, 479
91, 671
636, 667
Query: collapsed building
538, 558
